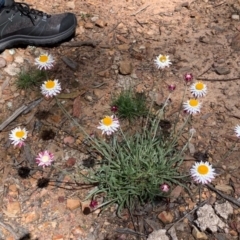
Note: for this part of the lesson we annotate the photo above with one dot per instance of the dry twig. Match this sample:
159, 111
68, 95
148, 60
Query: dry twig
134, 14
9, 229
228, 198
80, 44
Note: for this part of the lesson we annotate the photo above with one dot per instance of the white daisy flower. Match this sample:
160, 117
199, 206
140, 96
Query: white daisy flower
109, 125
18, 136
51, 88
202, 172
44, 61
192, 106
237, 130
162, 61
198, 89
44, 158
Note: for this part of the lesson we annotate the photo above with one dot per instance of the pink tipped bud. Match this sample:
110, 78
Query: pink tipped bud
114, 109
165, 187
188, 77
93, 204
171, 87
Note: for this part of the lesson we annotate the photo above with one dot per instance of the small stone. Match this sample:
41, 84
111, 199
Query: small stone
233, 233
3, 62
89, 25
89, 98
94, 18
8, 57
236, 42
222, 70
12, 51
166, 217
122, 39
235, 17
69, 140
157, 235
70, 5
13, 188
78, 232
71, 162
199, 235
73, 203
100, 23
31, 217
125, 67
186, 5
123, 47
12, 69
104, 73
58, 237
13, 208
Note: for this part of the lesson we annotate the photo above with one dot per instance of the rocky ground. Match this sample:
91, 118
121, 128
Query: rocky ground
114, 48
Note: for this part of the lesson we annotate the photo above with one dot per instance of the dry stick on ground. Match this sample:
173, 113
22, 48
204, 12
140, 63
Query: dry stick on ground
229, 198
22, 110
193, 210
134, 14
9, 229
214, 79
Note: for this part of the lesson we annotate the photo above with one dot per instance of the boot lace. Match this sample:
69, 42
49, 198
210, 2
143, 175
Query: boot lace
31, 13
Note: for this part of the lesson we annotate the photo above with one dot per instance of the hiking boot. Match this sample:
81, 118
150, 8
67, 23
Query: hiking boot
21, 25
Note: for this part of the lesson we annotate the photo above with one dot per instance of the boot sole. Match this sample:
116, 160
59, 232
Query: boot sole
15, 40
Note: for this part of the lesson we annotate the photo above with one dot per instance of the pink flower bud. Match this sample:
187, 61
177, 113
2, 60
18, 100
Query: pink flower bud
188, 77
165, 187
171, 87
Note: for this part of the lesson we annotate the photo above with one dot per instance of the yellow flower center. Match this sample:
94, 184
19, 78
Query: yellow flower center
20, 134
193, 102
107, 121
203, 169
45, 159
163, 59
43, 58
199, 86
50, 84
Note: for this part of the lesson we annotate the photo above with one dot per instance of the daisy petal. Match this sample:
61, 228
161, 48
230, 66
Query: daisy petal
162, 61
198, 89
18, 136
51, 88
192, 106
109, 125
44, 61
202, 172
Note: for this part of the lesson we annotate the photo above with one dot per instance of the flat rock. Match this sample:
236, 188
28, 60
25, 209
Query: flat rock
199, 235
31, 217
3, 62
89, 25
157, 235
222, 70
13, 208
224, 209
166, 217
207, 219
73, 203
236, 42
100, 23
125, 67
